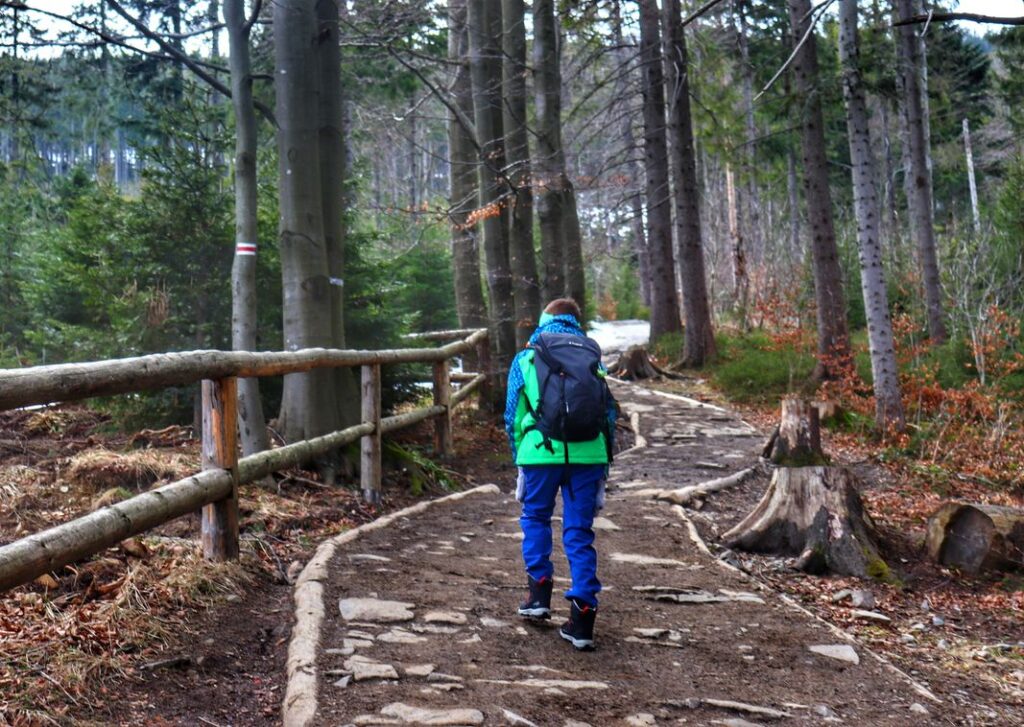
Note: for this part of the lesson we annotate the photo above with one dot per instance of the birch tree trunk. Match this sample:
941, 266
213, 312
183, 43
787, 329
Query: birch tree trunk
910, 57
549, 162
664, 301
888, 401
484, 20
469, 295
833, 336
252, 428
699, 337
333, 174
525, 283
308, 407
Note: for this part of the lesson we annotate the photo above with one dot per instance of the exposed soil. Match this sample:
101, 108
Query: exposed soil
749, 647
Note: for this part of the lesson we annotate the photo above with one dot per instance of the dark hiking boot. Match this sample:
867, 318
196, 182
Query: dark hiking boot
579, 629
538, 603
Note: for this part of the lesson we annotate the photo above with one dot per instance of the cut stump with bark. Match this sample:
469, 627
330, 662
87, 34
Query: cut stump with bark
634, 364
796, 442
816, 514
972, 537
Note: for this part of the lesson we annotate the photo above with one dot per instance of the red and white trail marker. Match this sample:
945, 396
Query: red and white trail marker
245, 248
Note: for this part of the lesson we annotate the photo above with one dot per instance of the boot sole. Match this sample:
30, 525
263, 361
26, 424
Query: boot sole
537, 613
578, 644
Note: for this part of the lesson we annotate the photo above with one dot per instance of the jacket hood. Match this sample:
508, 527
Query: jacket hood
562, 323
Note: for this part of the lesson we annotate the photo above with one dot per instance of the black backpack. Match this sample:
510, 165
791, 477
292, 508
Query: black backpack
574, 398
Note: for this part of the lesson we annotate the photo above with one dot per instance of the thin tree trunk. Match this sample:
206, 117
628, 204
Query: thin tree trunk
484, 20
252, 429
833, 337
752, 197
793, 194
333, 181
699, 339
919, 187
664, 300
885, 376
305, 281
549, 162
575, 277
525, 283
469, 296
969, 154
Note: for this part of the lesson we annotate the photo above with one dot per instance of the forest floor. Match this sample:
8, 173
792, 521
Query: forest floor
149, 633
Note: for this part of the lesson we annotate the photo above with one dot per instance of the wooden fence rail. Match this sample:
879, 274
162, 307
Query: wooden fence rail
215, 489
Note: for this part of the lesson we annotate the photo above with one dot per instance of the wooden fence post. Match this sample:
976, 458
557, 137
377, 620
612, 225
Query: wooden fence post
442, 397
220, 451
370, 468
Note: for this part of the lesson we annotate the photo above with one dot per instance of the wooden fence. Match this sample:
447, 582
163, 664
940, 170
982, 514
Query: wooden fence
215, 488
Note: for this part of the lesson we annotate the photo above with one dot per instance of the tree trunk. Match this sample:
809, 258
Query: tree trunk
699, 338
252, 428
973, 537
304, 272
793, 194
972, 186
797, 440
910, 60
885, 376
484, 20
664, 301
575, 277
469, 296
833, 337
525, 283
634, 364
333, 183
813, 513
549, 162
752, 197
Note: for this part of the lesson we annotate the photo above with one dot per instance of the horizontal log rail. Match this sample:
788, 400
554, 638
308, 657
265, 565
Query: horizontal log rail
215, 488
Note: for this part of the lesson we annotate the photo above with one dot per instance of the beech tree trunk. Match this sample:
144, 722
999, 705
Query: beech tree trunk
484, 20
910, 60
699, 337
549, 162
252, 428
973, 537
884, 372
333, 181
525, 283
664, 301
463, 198
833, 336
308, 408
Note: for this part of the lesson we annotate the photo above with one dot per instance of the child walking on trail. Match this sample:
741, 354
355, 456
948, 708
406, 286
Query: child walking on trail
560, 419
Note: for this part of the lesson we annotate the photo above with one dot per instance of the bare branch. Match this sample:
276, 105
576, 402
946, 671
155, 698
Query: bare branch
973, 17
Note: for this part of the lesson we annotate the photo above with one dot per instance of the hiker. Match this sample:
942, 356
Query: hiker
560, 419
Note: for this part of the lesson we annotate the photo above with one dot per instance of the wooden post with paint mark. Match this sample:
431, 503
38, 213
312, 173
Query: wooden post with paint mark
220, 451
370, 466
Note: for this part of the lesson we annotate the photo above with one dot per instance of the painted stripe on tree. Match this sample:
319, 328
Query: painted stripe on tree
245, 248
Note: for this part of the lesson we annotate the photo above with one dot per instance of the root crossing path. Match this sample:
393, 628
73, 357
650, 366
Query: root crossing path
419, 622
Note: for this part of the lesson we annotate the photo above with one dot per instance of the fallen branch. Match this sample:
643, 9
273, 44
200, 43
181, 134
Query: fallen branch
685, 495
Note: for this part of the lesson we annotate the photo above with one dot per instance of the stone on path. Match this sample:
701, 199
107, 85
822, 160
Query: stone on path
369, 556
492, 623
603, 523
840, 652
548, 683
515, 719
375, 610
400, 636
870, 615
917, 708
737, 722
696, 595
641, 720
744, 707
419, 670
641, 559
574, 723
444, 617
409, 714
363, 669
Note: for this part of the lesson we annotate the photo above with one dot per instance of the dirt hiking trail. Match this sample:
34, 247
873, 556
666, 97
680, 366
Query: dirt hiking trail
681, 638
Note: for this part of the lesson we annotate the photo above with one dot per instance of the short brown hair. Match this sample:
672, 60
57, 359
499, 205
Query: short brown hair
563, 307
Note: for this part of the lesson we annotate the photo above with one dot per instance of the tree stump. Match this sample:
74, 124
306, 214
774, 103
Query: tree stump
796, 442
634, 364
816, 514
973, 537
809, 510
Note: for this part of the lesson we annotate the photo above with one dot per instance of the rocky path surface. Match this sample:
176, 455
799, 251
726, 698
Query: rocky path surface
421, 625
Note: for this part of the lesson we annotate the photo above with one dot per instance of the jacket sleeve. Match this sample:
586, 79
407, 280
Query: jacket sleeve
514, 389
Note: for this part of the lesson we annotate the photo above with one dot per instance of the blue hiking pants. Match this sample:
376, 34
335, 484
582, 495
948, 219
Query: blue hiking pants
579, 484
